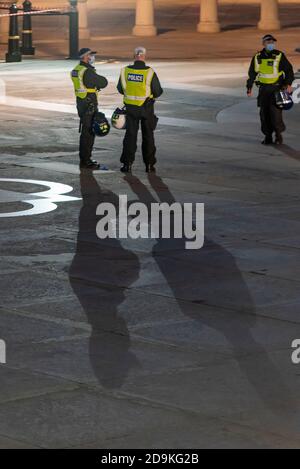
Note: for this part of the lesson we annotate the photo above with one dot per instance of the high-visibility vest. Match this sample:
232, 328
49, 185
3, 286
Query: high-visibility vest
136, 85
267, 69
81, 91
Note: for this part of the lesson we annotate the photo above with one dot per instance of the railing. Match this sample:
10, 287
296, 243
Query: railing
15, 50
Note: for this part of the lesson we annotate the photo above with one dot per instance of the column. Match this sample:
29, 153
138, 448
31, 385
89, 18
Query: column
144, 19
209, 20
269, 15
84, 32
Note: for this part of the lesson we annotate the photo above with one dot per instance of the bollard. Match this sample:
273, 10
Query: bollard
73, 30
27, 48
13, 54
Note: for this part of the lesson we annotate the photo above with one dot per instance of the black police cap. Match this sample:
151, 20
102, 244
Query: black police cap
85, 51
269, 37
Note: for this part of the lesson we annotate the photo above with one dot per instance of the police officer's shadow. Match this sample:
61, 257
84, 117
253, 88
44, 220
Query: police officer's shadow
289, 151
210, 276
100, 273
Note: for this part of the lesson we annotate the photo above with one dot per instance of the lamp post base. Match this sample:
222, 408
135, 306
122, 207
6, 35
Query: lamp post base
9, 58
26, 51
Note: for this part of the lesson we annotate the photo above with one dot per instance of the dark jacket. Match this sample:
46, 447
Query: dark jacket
91, 80
156, 88
284, 65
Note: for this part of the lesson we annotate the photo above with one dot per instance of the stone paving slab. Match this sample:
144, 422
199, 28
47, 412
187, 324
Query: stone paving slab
270, 392
18, 330
79, 417
18, 385
10, 443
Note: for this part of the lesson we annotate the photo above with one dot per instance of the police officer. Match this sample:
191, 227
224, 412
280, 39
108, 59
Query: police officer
271, 71
140, 86
87, 85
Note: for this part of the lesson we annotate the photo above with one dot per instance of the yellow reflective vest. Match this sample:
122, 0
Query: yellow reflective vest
136, 85
267, 69
81, 91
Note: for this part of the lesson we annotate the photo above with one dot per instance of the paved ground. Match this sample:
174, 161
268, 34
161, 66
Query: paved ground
123, 343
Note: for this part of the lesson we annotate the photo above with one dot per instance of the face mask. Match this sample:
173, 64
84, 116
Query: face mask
92, 60
270, 47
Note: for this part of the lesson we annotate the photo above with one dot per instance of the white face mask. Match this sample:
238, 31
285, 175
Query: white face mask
92, 60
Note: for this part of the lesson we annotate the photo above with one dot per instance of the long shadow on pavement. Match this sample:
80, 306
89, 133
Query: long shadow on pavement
100, 273
210, 276
289, 151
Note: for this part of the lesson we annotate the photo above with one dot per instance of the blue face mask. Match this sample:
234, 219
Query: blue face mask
270, 47
92, 60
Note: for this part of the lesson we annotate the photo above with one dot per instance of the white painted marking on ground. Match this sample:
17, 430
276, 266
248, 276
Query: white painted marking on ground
40, 105
41, 202
10, 137
71, 109
205, 89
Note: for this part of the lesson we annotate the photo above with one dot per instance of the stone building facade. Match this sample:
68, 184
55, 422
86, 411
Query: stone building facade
145, 13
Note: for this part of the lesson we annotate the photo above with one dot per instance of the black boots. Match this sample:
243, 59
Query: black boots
92, 164
268, 140
150, 168
278, 139
126, 168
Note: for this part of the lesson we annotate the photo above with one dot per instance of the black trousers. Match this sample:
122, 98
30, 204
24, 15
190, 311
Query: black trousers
270, 115
145, 116
86, 111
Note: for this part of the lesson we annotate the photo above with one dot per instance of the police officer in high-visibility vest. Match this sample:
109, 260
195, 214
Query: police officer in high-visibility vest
140, 86
271, 71
87, 85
